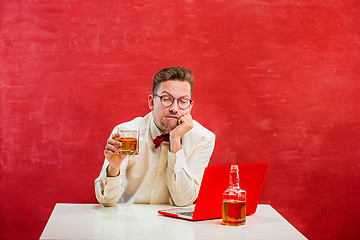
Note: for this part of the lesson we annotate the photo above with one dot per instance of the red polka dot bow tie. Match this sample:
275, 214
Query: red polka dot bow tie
159, 139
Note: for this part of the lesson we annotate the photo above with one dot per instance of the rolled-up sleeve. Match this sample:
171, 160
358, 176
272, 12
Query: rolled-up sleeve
108, 190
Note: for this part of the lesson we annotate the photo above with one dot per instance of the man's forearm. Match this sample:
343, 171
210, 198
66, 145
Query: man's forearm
175, 145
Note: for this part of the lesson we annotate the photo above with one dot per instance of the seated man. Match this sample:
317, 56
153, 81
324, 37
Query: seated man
174, 149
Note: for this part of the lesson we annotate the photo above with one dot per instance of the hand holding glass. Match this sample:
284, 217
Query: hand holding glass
129, 142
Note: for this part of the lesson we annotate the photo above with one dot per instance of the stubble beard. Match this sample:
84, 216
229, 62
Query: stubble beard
165, 127
168, 127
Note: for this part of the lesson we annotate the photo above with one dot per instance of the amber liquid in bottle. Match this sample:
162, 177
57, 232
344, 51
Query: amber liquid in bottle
234, 201
234, 212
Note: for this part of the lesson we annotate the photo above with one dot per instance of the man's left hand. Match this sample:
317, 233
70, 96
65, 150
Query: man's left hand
185, 124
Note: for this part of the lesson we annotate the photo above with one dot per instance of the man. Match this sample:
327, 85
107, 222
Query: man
167, 171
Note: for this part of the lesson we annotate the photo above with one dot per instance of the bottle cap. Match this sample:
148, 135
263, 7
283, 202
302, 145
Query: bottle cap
234, 167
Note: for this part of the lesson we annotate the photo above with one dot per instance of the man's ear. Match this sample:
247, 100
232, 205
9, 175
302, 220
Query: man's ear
151, 102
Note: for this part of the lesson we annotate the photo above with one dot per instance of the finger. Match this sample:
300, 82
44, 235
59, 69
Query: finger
187, 121
184, 119
180, 120
108, 153
189, 115
115, 135
112, 148
114, 142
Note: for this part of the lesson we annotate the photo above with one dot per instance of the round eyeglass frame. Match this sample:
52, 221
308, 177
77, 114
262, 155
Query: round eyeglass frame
173, 99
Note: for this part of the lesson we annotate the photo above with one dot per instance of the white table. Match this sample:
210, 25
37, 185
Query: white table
141, 221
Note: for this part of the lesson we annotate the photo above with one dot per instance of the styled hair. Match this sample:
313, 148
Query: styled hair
173, 73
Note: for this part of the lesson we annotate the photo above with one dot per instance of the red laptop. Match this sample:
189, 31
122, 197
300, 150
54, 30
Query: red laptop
215, 181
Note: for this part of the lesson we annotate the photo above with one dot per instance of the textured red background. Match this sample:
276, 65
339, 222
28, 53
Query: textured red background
277, 81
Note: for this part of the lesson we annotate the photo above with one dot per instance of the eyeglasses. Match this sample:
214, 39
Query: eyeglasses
167, 101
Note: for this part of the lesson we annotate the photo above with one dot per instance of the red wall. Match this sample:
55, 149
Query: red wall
277, 81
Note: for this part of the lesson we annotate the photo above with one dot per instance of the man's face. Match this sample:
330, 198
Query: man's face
166, 118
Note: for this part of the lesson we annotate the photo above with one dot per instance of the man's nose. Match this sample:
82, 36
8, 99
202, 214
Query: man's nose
174, 107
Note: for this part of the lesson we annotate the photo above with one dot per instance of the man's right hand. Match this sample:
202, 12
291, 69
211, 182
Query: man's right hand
112, 154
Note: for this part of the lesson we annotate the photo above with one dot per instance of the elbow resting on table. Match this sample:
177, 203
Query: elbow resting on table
183, 200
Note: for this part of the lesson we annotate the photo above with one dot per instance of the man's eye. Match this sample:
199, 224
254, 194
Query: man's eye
184, 100
167, 98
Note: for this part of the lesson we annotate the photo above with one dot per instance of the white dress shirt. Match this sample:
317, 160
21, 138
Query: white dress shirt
156, 175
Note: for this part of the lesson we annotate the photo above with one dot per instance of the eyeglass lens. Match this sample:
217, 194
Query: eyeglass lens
182, 102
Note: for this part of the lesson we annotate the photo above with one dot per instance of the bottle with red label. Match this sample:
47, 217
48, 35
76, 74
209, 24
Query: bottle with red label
234, 201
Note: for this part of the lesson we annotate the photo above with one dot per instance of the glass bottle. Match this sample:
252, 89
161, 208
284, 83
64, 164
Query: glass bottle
234, 201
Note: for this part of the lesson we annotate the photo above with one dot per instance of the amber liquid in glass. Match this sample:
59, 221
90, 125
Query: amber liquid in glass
234, 213
129, 145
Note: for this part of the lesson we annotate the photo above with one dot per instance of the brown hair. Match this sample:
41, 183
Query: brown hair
173, 73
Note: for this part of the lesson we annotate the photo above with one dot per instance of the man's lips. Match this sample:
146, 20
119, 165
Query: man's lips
171, 117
